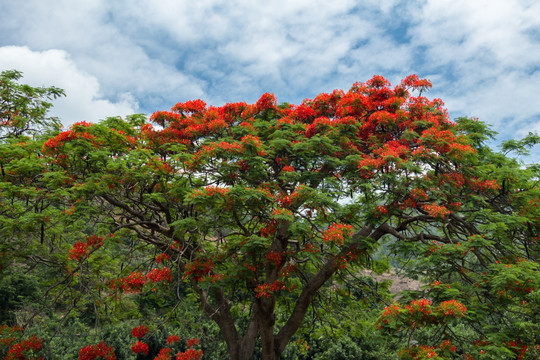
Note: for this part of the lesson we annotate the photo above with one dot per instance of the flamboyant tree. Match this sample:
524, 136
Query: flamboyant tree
257, 207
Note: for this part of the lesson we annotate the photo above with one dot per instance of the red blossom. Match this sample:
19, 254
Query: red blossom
191, 106
337, 233
133, 283
452, 308
304, 113
139, 331
198, 271
437, 211
287, 168
164, 354
269, 229
267, 289
266, 102
192, 342
419, 194
162, 257
82, 249
98, 351
140, 347
189, 354
381, 210
274, 257
172, 339
160, 275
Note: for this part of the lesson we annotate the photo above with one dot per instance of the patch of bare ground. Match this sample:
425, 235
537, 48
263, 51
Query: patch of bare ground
399, 282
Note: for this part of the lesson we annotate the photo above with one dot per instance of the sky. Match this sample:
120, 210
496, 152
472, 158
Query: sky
118, 57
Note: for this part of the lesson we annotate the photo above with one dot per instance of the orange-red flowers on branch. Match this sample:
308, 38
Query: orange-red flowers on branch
164, 354
268, 289
189, 354
173, 339
160, 275
140, 347
200, 270
436, 211
133, 283
211, 191
337, 233
192, 342
274, 257
266, 102
98, 351
83, 249
162, 258
22, 348
452, 308
77, 131
139, 331
192, 106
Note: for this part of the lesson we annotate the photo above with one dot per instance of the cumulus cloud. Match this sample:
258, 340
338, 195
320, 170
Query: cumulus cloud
487, 53
480, 55
55, 68
102, 42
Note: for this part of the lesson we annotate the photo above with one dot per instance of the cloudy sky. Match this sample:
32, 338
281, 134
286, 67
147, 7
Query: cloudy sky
120, 57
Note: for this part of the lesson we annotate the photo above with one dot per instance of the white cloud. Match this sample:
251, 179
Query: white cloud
55, 68
103, 43
488, 53
482, 56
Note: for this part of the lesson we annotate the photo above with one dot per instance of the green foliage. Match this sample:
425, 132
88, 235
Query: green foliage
23, 108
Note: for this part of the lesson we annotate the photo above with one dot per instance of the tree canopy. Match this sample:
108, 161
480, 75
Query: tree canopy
263, 212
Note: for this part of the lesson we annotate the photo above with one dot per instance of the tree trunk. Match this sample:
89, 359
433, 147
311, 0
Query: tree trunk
266, 319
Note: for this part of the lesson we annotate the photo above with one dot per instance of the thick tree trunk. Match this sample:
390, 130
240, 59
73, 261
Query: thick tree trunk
266, 320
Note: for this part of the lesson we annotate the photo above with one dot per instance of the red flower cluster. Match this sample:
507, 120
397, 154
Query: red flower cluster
437, 211
447, 345
133, 283
422, 306
189, 354
198, 271
287, 168
140, 347
20, 349
267, 289
77, 131
337, 233
452, 308
419, 195
211, 191
266, 102
82, 249
160, 166
274, 257
164, 354
192, 342
269, 229
160, 275
381, 210
162, 257
139, 331
418, 353
98, 351
389, 316
191, 106
172, 339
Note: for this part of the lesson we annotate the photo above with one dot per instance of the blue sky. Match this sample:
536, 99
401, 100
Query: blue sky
120, 57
